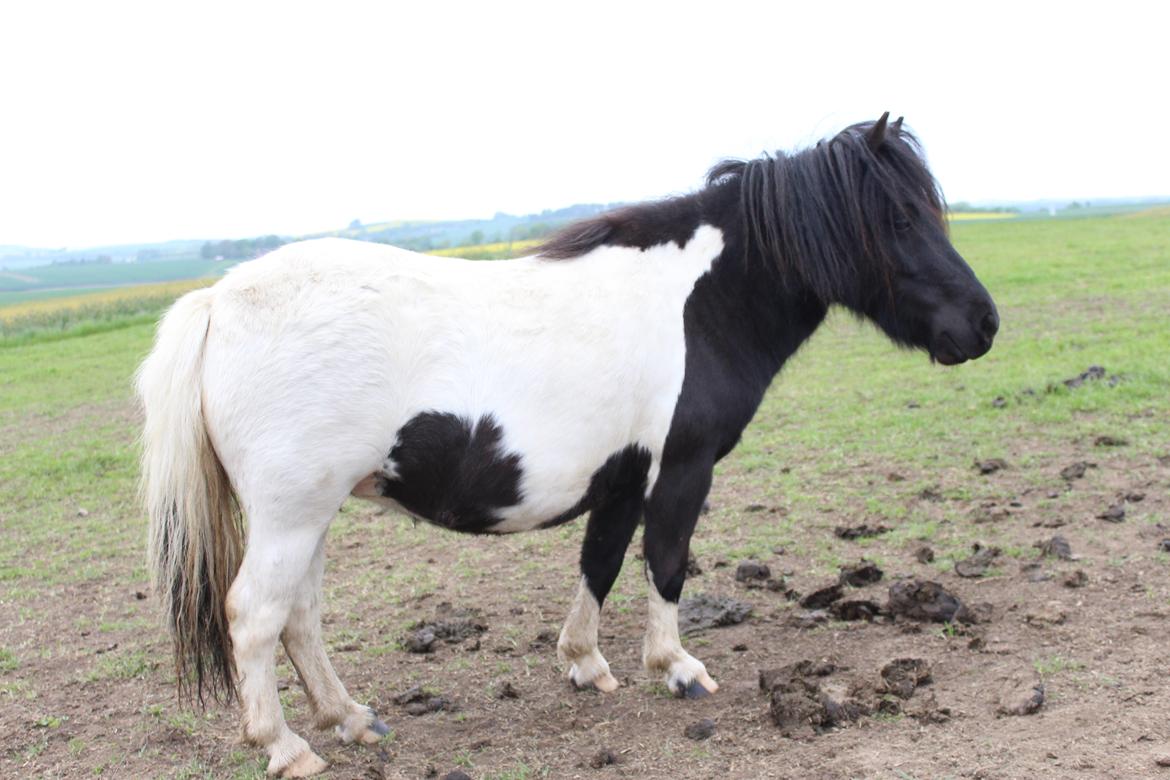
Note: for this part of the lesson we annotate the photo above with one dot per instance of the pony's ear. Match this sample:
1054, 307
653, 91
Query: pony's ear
897, 125
877, 134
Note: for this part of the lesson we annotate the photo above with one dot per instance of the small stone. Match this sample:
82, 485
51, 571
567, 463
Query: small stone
858, 609
1162, 760
1076, 579
860, 574
924, 554
863, 531
457, 774
421, 641
1056, 547
894, 476
901, 676
82, 512
822, 598
1021, 698
999, 402
927, 601
1076, 470
1164, 545
739, 648
140, 595
1048, 615
700, 730
990, 466
978, 563
808, 619
603, 757
1114, 514
752, 572
1135, 497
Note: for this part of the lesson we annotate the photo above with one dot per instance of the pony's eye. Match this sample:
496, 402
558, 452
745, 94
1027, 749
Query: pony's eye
901, 224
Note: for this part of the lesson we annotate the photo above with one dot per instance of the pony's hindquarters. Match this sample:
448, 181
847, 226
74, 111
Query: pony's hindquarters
195, 540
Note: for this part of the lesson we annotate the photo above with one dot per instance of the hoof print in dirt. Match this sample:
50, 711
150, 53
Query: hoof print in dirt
1075, 471
1114, 514
752, 573
856, 609
978, 563
901, 677
1056, 547
802, 698
927, 601
1020, 698
420, 701
700, 730
603, 758
990, 466
703, 611
819, 599
863, 531
860, 574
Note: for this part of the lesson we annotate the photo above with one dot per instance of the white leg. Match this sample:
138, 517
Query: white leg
258, 606
332, 705
577, 645
662, 650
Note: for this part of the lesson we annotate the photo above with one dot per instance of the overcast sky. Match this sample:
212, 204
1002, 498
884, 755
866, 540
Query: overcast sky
124, 122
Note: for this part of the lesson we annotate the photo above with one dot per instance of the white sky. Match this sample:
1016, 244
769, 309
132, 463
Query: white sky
124, 122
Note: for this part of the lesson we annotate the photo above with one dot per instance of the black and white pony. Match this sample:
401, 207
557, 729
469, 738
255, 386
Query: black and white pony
604, 375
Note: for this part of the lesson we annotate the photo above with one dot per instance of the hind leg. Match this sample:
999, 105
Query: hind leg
332, 705
606, 538
671, 515
278, 560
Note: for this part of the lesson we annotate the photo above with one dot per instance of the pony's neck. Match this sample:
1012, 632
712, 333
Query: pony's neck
766, 312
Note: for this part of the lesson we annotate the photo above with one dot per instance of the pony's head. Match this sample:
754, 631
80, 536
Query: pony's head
858, 220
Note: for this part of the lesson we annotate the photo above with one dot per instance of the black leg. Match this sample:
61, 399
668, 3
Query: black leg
607, 536
671, 514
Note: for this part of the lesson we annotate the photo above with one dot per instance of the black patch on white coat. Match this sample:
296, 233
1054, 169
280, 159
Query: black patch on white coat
452, 472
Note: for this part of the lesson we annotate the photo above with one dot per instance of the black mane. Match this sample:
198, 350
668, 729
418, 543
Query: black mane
816, 214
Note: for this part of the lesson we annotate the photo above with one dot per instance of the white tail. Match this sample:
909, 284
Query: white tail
196, 536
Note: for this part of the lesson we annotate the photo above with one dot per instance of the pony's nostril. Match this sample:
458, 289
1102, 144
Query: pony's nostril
990, 324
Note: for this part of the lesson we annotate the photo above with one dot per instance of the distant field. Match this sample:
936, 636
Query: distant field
107, 274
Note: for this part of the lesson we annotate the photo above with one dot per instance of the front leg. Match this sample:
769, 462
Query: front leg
671, 514
607, 536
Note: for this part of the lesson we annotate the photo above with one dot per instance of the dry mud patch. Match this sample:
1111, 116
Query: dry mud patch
87, 688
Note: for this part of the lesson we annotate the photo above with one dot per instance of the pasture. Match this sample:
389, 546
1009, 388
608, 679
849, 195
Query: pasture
853, 432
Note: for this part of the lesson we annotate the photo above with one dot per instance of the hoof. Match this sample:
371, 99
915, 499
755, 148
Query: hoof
306, 764
606, 683
700, 687
364, 727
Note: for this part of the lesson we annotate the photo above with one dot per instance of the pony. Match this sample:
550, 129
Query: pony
604, 375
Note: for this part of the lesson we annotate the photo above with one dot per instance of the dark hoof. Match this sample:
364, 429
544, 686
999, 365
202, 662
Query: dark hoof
379, 728
693, 690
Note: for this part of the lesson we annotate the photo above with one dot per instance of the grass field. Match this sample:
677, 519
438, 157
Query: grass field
853, 430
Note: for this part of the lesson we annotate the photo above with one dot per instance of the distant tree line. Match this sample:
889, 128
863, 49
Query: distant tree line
963, 205
240, 249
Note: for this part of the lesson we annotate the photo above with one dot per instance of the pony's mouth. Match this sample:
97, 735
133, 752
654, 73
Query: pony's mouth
947, 352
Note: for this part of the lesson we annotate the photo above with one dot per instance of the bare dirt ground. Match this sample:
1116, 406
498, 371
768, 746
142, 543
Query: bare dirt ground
97, 698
